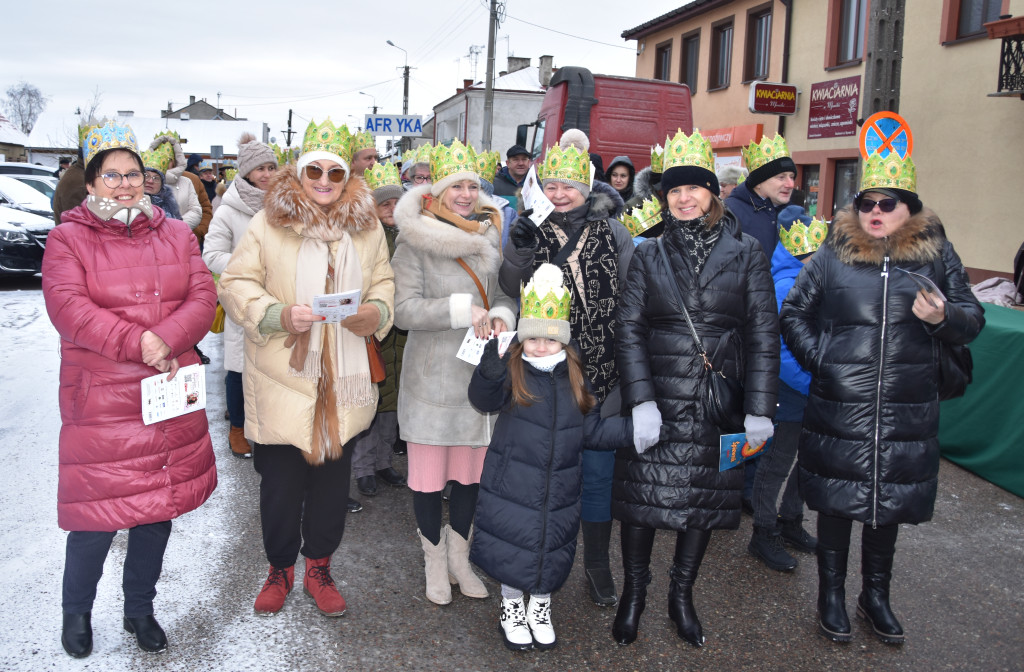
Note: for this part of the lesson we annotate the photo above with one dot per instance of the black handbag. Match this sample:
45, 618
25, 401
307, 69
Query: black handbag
722, 396
956, 365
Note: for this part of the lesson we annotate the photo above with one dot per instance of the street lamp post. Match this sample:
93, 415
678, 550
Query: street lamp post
361, 93
405, 94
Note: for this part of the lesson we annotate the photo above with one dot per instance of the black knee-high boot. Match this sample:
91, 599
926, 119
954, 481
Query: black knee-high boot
637, 543
833, 553
878, 547
690, 548
596, 538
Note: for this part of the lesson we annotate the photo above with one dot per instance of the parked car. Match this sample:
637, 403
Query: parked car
9, 167
22, 241
44, 184
20, 196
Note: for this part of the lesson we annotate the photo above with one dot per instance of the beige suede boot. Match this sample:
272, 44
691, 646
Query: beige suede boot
459, 570
435, 558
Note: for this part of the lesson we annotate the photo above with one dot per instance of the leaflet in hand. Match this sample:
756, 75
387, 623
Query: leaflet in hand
336, 307
923, 282
163, 399
533, 197
472, 348
735, 450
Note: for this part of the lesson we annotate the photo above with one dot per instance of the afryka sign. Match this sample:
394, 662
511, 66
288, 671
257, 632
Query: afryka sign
772, 98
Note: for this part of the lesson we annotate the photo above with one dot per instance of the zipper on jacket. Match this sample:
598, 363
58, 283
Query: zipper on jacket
878, 391
547, 483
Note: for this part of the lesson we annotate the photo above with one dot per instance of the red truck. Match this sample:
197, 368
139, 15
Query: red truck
620, 115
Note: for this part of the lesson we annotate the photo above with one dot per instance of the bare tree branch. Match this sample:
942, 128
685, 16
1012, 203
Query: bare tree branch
24, 104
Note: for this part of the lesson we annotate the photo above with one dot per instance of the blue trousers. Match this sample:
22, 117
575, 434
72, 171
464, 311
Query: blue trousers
598, 466
235, 398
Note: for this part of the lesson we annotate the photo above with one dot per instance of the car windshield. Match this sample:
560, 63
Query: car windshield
22, 194
41, 184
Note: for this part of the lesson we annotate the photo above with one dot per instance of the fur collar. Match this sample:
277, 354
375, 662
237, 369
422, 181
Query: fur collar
642, 186
288, 206
919, 241
434, 237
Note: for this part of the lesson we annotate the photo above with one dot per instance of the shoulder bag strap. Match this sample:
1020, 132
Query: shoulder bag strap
479, 285
569, 246
663, 255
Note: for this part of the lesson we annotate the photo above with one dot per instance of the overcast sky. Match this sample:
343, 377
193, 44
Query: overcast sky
312, 57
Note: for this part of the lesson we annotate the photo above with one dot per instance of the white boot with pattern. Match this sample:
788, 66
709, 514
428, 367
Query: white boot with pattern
514, 629
538, 617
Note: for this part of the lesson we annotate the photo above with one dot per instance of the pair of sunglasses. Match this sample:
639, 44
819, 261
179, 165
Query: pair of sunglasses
866, 205
314, 172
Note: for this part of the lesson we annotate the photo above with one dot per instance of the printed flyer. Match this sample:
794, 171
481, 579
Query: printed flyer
163, 399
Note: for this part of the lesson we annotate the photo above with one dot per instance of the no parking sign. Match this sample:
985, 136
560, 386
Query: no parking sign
885, 132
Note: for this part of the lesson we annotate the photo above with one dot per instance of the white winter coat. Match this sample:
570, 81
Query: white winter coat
185, 194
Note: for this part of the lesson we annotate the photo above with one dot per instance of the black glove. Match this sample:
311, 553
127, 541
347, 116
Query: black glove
492, 365
524, 233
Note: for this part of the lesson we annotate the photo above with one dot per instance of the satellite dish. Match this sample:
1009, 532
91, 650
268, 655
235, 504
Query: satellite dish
273, 139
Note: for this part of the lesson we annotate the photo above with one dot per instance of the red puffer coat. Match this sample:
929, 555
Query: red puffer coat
105, 284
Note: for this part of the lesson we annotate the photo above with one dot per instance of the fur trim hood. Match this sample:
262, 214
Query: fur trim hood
919, 240
437, 238
642, 186
288, 206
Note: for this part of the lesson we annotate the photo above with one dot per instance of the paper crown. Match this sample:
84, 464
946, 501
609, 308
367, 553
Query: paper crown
545, 297
688, 150
206, 164
159, 158
892, 172
407, 156
445, 161
757, 154
643, 217
382, 175
326, 137
565, 164
362, 140
657, 159
423, 153
802, 238
83, 132
487, 164
280, 154
230, 174
111, 136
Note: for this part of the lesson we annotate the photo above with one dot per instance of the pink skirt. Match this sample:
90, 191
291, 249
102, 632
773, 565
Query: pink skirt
431, 467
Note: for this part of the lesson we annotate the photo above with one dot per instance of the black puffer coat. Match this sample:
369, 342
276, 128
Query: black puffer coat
869, 449
528, 511
676, 484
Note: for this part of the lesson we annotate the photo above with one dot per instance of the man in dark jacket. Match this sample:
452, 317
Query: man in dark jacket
70, 191
509, 179
757, 202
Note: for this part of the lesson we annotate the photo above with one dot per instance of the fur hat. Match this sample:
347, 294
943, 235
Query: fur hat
252, 154
731, 174
545, 306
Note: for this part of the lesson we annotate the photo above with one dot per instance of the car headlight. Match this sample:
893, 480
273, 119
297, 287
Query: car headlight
14, 237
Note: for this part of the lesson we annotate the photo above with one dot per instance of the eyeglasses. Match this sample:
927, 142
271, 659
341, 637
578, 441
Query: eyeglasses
151, 177
420, 179
866, 205
315, 172
113, 179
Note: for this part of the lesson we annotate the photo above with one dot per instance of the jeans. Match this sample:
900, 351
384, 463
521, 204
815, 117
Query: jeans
598, 466
235, 398
775, 468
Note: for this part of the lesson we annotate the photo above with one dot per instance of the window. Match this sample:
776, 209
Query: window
690, 60
975, 13
663, 61
759, 39
721, 55
846, 185
847, 26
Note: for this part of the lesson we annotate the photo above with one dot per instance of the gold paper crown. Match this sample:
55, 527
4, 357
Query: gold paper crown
423, 153
159, 158
892, 172
802, 238
567, 164
545, 297
487, 164
756, 155
407, 156
111, 136
643, 217
230, 174
382, 175
362, 140
657, 159
445, 161
688, 150
280, 154
328, 138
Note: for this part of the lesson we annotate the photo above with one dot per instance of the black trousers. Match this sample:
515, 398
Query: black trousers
302, 507
83, 566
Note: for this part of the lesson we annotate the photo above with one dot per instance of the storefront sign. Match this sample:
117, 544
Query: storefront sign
772, 98
833, 108
733, 136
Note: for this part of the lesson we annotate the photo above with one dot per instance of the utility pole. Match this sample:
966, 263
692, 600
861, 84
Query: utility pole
485, 143
405, 93
289, 133
883, 60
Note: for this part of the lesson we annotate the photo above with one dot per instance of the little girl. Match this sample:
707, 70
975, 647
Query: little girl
528, 510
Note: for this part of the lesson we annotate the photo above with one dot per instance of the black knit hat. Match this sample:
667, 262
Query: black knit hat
678, 176
771, 169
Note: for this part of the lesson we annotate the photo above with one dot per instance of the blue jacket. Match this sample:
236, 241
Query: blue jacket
528, 510
756, 216
794, 381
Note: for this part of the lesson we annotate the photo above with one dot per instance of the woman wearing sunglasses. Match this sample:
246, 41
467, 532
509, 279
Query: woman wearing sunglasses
869, 450
308, 390
129, 295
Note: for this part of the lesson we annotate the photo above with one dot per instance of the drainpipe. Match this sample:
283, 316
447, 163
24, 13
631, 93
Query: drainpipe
788, 4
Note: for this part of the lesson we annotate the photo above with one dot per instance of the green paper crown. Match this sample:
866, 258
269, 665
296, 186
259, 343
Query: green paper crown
328, 138
892, 172
487, 165
230, 174
756, 155
545, 297
382, 175
423, 153
362, 140
657, 159
565, 164
643, 217
445, 161
159, 158
688, 150
280, 154
803, 238
407, 156
111, 136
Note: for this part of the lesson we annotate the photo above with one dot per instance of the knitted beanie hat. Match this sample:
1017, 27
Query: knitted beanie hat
253, 154
545, 306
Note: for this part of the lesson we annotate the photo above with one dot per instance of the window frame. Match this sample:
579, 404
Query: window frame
715, 83
949, 28
750, 50
663, 57
685, 67
833, 35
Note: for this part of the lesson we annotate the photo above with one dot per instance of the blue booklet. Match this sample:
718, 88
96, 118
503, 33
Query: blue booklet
735, 450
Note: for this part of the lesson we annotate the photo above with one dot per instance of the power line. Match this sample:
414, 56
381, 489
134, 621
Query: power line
577, 37
305, 98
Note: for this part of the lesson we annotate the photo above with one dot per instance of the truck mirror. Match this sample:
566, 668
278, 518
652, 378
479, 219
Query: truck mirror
521, 134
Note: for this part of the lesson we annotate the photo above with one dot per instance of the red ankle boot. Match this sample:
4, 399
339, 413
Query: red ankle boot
275, 589
319, 585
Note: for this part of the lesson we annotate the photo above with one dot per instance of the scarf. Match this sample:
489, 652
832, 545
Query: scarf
546, 363
164, 199
698, 239
251, 195
477, 225
107, 209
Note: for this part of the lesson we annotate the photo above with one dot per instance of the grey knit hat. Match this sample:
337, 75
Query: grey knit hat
253, 154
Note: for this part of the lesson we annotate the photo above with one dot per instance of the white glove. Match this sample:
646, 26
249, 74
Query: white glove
759, 429
646, 425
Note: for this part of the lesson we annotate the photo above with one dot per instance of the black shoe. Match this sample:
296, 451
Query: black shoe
602, 586
76, 635
367, 486
148, 633
832, 619
794, 534
400, 447
766, 544
748, 507
391, 477
202, 358
354, 506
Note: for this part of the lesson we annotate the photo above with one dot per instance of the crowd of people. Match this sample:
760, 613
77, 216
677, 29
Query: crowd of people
626, 300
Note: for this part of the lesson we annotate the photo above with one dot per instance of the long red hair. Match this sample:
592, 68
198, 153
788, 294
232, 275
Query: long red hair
577, 382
